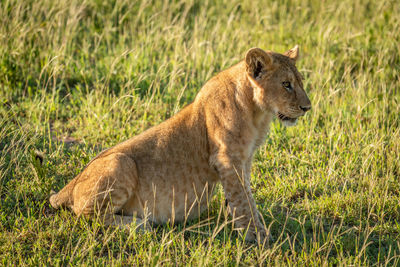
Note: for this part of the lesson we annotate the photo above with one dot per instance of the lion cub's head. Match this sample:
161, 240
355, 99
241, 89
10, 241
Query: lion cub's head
277, 83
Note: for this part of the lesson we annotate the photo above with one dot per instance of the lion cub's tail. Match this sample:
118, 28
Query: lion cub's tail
64, 197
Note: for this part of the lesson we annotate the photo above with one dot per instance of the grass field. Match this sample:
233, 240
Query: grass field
78, 76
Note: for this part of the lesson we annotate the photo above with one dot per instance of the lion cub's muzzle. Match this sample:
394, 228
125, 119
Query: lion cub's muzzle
305, 108
285, 118
291, 120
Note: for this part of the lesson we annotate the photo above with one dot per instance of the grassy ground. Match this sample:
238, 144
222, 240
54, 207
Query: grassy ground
80, 76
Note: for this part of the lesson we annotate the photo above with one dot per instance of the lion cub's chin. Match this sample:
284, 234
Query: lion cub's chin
289, 123
286, 121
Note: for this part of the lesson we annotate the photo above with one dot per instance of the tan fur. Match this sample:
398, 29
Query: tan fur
168, 172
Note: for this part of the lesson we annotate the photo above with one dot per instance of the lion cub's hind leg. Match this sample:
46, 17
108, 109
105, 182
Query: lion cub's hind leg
104, 187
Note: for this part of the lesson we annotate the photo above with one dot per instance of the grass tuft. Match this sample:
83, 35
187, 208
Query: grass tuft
80, 76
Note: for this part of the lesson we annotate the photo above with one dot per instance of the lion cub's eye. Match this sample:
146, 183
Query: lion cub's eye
287, 86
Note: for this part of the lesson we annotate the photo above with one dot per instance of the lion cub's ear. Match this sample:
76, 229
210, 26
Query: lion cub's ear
293, 53
257, 62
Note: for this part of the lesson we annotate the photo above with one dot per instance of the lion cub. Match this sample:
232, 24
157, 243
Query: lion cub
168, 172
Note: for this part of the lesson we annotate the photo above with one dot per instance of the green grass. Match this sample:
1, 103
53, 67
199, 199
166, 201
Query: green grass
103, 71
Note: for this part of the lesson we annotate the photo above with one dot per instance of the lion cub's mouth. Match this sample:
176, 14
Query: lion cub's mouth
285, 118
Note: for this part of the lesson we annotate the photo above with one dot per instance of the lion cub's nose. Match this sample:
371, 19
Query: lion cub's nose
305, 108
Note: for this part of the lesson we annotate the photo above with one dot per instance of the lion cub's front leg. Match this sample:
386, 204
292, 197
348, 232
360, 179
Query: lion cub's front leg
235, 178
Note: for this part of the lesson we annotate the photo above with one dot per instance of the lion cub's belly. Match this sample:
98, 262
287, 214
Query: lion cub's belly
172, 192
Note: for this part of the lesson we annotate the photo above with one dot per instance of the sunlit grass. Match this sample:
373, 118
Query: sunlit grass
99, 72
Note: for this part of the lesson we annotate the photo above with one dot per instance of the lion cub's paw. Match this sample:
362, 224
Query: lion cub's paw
260, 236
